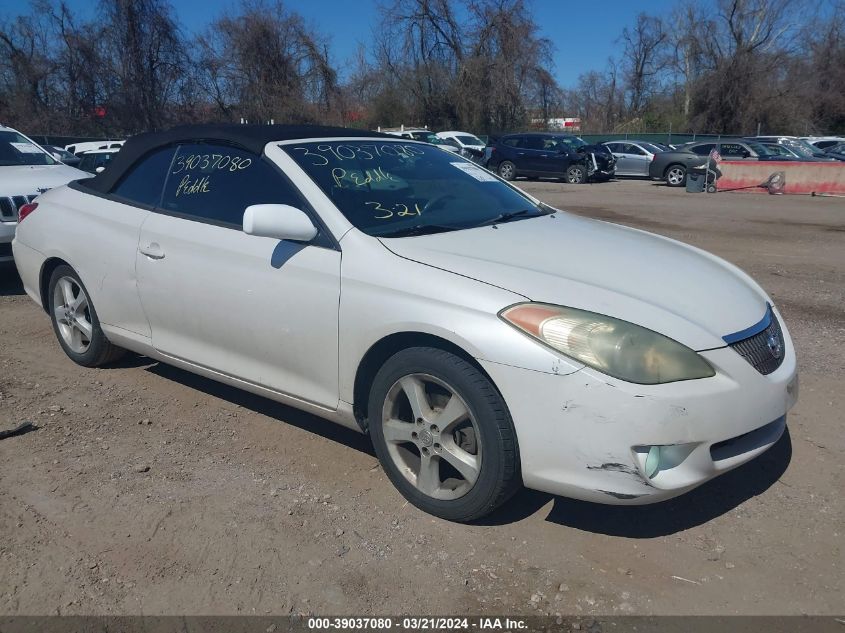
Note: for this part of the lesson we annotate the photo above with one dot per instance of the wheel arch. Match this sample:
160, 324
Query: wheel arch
387, 346
47, 268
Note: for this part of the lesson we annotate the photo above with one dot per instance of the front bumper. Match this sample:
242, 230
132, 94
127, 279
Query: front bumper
587, 436
7, 234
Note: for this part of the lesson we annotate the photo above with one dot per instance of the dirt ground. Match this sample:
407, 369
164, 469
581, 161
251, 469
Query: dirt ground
147, 490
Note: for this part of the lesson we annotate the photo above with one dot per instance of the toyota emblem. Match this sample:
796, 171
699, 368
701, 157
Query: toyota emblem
775, 346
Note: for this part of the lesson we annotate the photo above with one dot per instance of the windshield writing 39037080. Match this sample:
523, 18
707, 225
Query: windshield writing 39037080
399, 188
323, 155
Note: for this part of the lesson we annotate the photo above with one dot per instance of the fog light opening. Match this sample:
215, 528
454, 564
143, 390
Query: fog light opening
652, 462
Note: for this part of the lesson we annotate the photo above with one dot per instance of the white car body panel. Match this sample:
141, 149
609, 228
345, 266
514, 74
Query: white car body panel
597, 266
33, 179
234, 313
297, 332
108, 270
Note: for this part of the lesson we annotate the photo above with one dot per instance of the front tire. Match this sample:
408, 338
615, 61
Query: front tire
75, 321
676, 176
443, 434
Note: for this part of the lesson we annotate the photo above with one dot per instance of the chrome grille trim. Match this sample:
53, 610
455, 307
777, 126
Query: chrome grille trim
9, 206
760, 348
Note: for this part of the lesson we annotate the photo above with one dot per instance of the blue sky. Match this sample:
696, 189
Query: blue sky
584, 33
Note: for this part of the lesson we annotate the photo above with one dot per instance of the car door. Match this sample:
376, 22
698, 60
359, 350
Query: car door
257, 309
116, 220
538, 157
636, 160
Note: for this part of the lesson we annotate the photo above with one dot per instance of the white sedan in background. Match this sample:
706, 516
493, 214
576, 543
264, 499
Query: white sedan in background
26, 171
481, 338
465, 140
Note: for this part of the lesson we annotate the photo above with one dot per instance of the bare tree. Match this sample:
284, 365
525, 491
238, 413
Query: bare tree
264, 64
643, 59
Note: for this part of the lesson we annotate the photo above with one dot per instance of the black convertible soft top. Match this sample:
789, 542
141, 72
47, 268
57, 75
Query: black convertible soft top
249, 137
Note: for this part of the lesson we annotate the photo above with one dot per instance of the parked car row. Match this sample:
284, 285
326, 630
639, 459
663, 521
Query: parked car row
645, 158
567, 157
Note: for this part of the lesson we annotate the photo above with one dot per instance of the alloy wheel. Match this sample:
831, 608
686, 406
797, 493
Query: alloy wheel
432, 437
506, 171
73, 314
675, 176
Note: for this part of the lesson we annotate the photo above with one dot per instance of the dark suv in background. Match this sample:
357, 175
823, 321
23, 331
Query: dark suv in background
548, 155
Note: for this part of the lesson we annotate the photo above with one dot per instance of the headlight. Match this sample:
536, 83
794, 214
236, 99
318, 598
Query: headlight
617, 348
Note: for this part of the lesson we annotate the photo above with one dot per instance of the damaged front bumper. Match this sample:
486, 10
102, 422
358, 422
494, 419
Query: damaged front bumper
588, 436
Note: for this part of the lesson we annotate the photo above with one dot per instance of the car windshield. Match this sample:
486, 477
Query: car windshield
760, 149
802, 147
16, 149
394, 189
469, 139
836, 149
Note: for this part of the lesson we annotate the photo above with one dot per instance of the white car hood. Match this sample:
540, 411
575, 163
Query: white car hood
658, 283
24, 180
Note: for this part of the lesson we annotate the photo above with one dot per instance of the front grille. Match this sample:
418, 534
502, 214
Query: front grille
764, 350
9, 206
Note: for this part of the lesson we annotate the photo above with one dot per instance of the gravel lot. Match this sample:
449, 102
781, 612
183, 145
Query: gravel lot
147, 490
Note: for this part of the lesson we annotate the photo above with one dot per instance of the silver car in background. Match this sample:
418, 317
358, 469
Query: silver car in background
632, 157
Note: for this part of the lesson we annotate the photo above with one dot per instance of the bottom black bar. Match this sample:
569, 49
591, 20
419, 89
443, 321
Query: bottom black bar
516, 624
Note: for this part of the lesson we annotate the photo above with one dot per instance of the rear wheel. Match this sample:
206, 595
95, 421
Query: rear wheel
75, 321
507, 170
443, 434
676, 175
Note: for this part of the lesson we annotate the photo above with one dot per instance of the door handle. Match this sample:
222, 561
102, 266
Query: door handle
152, 250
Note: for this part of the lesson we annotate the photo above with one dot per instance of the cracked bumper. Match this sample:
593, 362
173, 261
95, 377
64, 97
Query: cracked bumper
586, 436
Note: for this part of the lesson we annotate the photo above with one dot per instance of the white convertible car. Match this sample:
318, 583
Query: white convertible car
483, 339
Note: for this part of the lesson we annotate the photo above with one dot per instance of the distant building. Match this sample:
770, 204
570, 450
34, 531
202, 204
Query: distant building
568, 124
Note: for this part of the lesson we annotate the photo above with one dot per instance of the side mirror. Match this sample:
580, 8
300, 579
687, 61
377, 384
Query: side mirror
279, 221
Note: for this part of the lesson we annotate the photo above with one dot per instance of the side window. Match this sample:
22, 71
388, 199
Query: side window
534, 142
633, 149
614, 148
512, 141
216, 183
733, 150
703, 150
145, 181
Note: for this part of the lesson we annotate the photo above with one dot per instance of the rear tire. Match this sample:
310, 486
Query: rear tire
443, 434
506, 170
75, 321
676, 175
